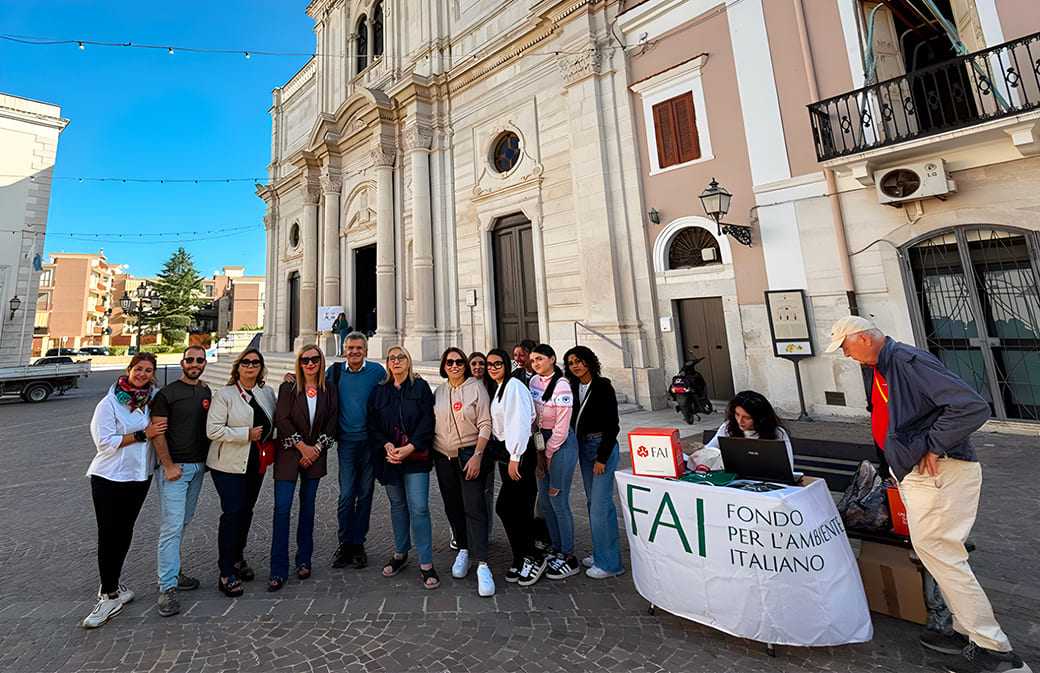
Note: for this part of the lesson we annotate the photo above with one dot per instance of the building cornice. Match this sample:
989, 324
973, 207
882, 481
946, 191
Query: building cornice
50, 121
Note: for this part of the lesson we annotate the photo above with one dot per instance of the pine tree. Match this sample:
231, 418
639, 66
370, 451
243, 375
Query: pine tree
179, 285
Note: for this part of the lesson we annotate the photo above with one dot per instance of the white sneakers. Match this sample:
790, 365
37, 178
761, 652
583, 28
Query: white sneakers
107, 607
460, 568
588, 561
597, 573
485, 582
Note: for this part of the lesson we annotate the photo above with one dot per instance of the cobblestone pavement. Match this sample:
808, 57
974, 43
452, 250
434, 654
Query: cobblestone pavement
349, 620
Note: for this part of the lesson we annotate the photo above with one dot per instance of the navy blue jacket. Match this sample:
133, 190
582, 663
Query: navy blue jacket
929, 408
401, 416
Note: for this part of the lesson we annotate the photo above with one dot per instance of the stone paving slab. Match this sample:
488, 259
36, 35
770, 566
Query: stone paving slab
350, 620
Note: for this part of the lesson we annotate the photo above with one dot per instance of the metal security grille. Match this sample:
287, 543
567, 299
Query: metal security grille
976, 308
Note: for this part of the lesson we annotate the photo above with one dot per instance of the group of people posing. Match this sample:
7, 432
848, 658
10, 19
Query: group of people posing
520, 414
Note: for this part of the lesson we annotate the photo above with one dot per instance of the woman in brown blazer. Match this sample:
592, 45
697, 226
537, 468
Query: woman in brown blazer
307, 416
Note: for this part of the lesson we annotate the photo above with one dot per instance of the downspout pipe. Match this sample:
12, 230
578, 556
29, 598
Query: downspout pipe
837, 216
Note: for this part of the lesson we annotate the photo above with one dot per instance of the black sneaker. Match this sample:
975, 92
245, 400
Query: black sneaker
344, 556
359, 558
186, 583
560, 568
168, 604
945, 643
532, 571
975, 659
513, 575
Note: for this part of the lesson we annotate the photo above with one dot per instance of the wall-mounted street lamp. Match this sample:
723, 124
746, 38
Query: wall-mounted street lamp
14, 305
715, 200
654, 216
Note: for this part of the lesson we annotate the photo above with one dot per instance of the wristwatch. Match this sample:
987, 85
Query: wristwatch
140, 436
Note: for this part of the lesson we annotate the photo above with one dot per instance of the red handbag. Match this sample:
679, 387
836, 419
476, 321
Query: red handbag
266, 449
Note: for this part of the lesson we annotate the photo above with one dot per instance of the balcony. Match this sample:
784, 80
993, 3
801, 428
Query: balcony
999, 86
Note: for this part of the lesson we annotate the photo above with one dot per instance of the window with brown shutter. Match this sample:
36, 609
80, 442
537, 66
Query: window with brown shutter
675, 128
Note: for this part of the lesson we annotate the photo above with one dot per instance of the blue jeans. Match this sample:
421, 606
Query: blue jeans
283, 499
599, 492
356, 484
410, 514
554, 493
177, 501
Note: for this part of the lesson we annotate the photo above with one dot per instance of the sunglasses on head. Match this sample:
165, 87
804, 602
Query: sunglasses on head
249, 363
454, 362
310, 360
496, 365
192, 360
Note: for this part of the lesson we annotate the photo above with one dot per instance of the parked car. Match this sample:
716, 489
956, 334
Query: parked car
62, 351
53, 360
95, 350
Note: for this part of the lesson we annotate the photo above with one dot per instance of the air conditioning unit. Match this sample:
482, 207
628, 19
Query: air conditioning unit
913, 182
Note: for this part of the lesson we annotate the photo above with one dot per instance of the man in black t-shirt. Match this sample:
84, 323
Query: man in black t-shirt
181, 452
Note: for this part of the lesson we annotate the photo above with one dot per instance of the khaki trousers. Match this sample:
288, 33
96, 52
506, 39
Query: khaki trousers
940, 512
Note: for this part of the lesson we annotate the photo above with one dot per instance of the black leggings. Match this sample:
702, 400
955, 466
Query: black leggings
116, 506
465, 501
515, 506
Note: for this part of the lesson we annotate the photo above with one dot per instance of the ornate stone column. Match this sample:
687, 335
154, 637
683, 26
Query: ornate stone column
308, 272
422, 341
270, 288
331, 187
386, 252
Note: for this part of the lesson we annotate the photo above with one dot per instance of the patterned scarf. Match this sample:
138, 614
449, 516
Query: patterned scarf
134, 398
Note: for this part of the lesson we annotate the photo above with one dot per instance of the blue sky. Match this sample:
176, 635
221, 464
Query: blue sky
142, 113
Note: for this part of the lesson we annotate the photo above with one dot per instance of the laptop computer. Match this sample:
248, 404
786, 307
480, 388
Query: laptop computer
758, 459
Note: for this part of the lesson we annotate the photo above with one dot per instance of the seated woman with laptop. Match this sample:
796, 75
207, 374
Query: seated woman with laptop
749, 415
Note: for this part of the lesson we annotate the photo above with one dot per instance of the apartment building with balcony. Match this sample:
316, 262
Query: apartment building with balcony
76, 299
235, 300
886, 156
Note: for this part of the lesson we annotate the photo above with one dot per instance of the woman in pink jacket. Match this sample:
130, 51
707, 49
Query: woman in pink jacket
553, 403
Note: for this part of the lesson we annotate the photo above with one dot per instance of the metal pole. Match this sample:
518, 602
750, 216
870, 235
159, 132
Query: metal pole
803, 416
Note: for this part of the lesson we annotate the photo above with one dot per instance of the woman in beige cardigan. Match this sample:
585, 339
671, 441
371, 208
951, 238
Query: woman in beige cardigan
463, 412
240, 425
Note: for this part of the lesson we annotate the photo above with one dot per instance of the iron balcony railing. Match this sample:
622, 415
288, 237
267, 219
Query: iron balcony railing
998, 82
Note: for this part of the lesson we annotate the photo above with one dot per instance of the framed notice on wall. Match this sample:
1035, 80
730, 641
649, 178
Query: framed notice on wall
789, 323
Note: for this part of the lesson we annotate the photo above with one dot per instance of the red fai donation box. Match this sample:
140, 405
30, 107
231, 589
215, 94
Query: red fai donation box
656, 452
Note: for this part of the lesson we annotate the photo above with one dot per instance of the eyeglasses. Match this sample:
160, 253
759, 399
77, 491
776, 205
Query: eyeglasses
496, 365
192, 361
249, 363
452, 362
400, 357
310, 360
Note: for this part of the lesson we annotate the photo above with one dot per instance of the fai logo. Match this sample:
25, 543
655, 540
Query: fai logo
457, 406
642, 452
205, 404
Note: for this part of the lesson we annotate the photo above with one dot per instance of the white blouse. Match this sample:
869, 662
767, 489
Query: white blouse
512, 417
112, 420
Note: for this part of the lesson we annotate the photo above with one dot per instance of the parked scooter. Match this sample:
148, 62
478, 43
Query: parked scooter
690, 392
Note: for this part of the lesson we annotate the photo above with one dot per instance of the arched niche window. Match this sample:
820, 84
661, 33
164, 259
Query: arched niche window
377, 29
361, 47
693, 247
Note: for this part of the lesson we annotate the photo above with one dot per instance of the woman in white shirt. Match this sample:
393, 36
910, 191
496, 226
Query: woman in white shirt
119, 477
750, 415
512, 418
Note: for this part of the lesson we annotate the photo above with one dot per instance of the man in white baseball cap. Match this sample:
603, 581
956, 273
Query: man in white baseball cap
922, 417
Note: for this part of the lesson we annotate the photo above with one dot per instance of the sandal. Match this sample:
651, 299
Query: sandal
230, 587
303, 572
244, 572
275, 584
430, 578
394, 565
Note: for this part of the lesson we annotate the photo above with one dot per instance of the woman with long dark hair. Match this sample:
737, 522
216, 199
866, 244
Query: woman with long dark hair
120, 475
596, 425
554, 404
749, 414
240, 425
307, 418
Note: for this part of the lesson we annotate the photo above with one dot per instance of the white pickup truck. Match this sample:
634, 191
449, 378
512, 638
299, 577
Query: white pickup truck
37, 382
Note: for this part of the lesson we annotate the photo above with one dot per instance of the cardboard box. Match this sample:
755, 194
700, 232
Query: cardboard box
656, 452
892, 582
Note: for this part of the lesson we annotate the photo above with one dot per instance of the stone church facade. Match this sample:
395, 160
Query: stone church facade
462, 173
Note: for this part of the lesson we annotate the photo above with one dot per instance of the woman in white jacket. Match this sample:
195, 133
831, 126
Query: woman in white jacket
512, 418
120, 475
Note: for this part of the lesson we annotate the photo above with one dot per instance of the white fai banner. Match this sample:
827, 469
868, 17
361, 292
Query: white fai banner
775, 567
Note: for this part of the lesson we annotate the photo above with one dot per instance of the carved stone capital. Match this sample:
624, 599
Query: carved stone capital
574, 68
311, 192
268, 221
331, 183
418, 138
382, 156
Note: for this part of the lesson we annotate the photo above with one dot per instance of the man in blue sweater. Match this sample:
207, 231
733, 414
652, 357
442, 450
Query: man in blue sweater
354, 381
923, 416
